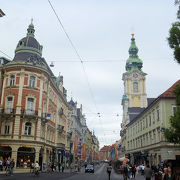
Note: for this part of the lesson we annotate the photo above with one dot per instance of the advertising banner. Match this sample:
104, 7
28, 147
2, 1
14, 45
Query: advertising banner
75, 144
84, 151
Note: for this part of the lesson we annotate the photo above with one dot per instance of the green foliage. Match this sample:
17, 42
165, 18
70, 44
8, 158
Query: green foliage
177, 93
174, 40
172, 134
117, 164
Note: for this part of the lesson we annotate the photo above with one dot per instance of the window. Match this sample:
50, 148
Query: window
135, 87
30, 106
149, 120
146, 122
12, 80
28, 127
174, 109
9, 105
153, 117
32, 81
157, 114
6, 129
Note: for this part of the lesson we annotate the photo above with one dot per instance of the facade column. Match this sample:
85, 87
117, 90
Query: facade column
18, 106
14, 153
45, 155
37, 150
4, 82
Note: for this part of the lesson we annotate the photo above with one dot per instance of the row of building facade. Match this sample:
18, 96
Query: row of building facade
145, 119
37, 123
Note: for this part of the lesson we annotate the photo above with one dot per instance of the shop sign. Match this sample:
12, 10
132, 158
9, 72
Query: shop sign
28, 146
4, 145
48, 115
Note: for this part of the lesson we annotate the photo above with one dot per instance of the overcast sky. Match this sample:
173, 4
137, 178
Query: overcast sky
101, 31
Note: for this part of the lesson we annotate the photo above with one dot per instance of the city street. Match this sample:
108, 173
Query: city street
100, 174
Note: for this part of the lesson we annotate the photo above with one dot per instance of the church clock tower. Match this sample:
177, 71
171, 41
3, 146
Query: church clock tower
134, 79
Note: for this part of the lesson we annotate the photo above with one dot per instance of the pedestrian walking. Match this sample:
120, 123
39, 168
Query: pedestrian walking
109, 169
169, 175
148, 172
133, 171
1, 165
63, 166
59, 166
12, 163
52, 166
125, 172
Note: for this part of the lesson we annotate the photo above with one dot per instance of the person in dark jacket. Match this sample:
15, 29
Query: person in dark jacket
125, 172
148, 172
169, 175
133, 171
109, 169
12, 163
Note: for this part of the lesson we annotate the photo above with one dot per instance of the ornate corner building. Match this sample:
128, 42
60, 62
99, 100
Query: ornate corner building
34, 113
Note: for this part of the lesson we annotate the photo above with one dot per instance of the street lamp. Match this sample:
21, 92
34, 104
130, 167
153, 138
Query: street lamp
2, 13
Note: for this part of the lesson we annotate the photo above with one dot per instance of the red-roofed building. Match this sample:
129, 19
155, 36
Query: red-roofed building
145, 140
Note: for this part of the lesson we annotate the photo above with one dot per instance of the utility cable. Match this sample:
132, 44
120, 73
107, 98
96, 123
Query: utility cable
6, 54
78, 55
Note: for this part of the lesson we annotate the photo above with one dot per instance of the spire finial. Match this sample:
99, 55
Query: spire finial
132, 35
31, 20
132, 32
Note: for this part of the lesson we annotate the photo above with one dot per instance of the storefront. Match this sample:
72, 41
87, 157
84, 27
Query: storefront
25, 156
5, 152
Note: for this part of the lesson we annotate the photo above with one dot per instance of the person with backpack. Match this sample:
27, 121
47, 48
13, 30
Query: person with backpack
109, 169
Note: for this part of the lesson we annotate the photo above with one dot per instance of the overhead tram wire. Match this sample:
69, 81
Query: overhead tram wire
6, 54
81, 60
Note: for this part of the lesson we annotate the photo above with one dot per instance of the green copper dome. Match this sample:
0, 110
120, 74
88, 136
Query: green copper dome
133, 62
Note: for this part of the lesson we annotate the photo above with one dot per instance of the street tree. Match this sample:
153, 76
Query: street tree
172, 133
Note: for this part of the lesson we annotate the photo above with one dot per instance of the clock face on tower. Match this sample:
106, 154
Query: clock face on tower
135, 75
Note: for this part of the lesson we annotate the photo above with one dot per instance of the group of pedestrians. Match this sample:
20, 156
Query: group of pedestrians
159, 173
7, 165
52, 167
129, 171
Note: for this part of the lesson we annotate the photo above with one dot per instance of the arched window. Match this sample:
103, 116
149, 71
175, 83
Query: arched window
12, 80
32, 81
135, 87
28, 127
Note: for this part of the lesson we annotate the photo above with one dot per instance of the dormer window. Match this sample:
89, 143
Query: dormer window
32, 81
12, 80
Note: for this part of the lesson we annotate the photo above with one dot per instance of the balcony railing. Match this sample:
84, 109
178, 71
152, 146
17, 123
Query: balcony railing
45, 117
7, 111
60, 128
69, 134
30, 112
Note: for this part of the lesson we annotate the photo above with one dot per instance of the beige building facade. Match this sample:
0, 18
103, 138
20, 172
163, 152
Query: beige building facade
145, 140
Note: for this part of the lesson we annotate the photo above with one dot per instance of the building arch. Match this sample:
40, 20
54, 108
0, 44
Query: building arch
25, 156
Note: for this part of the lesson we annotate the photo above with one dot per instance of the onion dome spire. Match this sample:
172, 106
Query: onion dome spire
31, 30
133, 62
